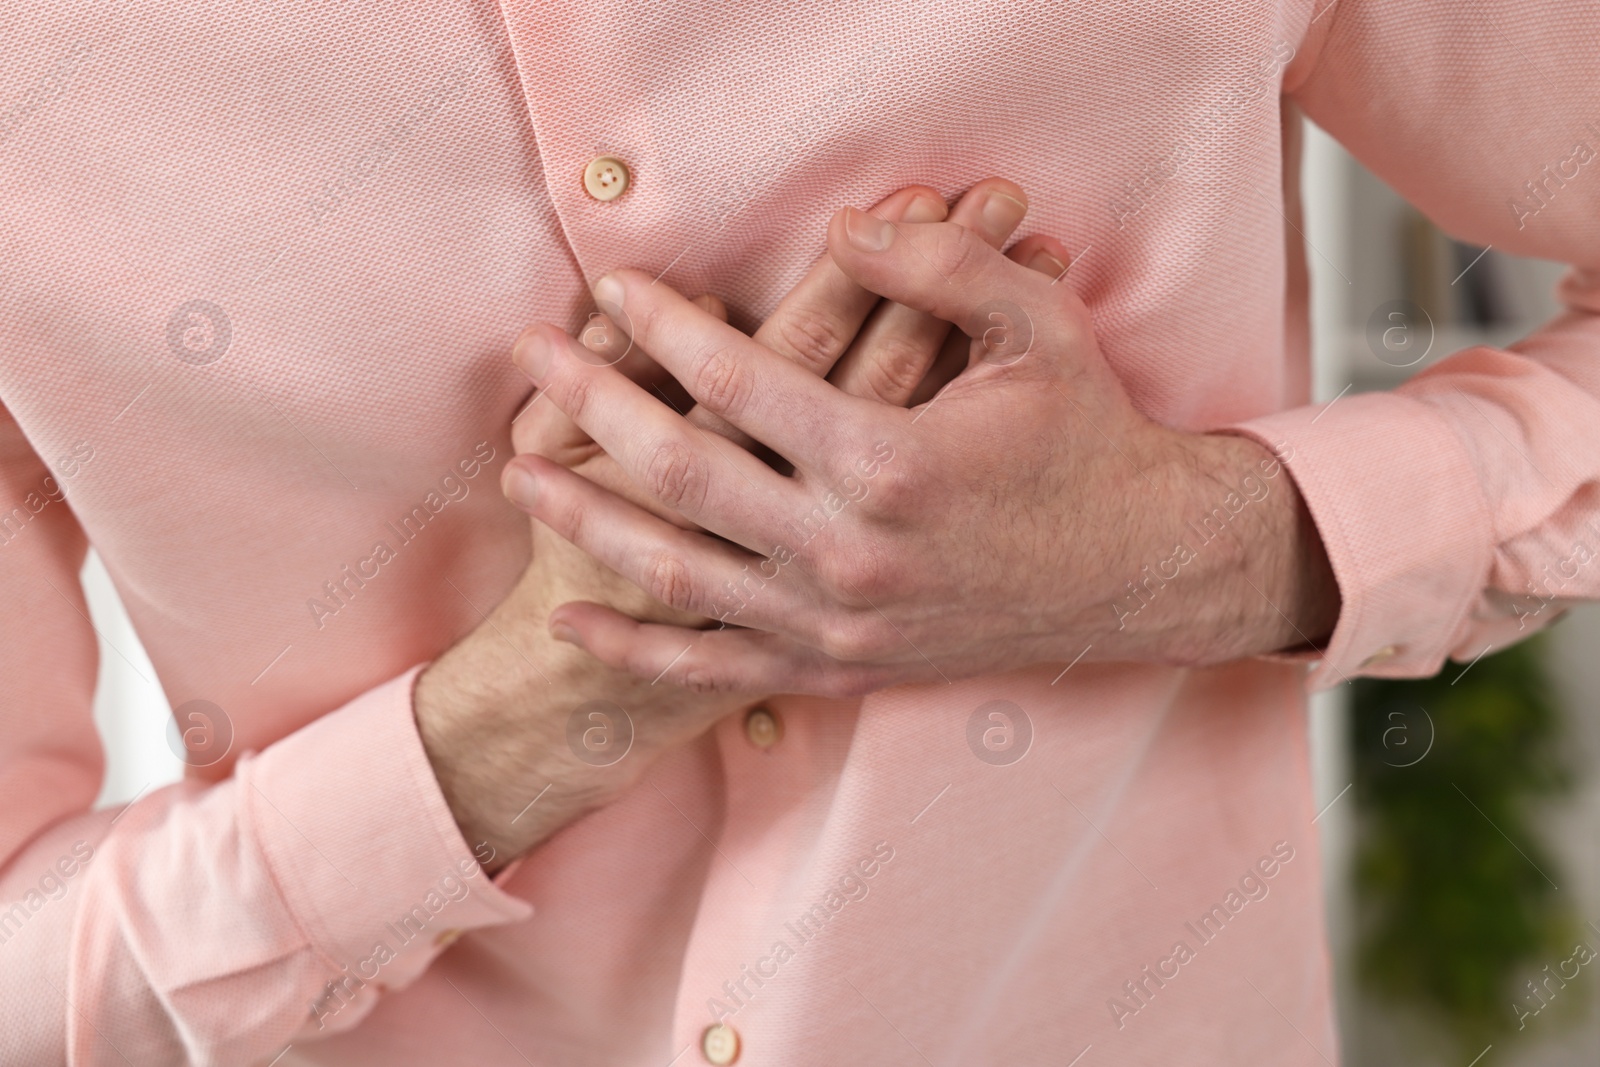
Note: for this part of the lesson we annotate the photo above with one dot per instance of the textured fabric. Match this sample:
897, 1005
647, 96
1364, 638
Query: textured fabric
262, 265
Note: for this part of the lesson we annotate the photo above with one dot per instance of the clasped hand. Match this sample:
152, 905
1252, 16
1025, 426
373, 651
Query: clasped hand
990, 527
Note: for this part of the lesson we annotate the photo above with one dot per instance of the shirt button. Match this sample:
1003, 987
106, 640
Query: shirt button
720, 1044
446, 937
762, 727
605, 178
1379, 656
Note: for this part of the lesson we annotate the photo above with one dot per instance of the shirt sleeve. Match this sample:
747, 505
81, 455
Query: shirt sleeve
1461, 510
203, 923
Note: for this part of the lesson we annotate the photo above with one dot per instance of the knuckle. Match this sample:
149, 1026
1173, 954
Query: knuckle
896, 484
859, 576
876, 574
895, 368
569, 521
666, 577
832, 571
642, 321
1080, 328
704, 680
674, 475
815, 338
851, 640
721, 382
956, 250
571, 393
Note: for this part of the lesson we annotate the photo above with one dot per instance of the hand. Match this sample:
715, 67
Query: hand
828, 324
1002, 523
493, 711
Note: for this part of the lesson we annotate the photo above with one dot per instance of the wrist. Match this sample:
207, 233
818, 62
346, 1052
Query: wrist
1242, 570
1272, 577
496, 716
466, 704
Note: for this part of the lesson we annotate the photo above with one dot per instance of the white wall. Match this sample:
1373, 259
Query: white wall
130, 709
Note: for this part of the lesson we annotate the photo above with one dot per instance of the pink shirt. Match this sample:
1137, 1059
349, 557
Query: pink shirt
262, 267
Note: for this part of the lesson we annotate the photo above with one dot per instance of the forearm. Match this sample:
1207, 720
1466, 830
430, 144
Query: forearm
508, 716
488, 712
1237, 568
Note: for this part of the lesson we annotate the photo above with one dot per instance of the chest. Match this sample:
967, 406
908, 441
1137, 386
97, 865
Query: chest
313, 231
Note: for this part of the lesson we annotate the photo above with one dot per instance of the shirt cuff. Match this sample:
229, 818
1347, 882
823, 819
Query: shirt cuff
365, 851
1407, 528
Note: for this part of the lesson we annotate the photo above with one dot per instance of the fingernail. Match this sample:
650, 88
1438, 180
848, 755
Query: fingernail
608, 290
1001, 213
867, 232
533, 354
1045, 263
924, 208
519, 486
562, 632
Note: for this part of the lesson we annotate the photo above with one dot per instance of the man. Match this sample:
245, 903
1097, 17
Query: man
263, 268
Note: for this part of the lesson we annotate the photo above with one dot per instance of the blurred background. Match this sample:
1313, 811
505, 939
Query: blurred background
1462, 829
1460, 815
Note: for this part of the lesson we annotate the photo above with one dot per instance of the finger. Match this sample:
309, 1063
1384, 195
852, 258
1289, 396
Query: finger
958, 351
711, 305
1044, 254
548, 433
767, 396
602, 336
545, 430
1009, 330
709, 481
542, 429
732, 660
816, 322
949, 272
667, 387
617, 349
898, 345
683, 569
954, 357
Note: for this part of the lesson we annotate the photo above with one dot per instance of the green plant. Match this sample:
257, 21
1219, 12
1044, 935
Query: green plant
1455, 894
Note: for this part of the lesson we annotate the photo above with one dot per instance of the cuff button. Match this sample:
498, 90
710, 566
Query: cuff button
1386, 652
